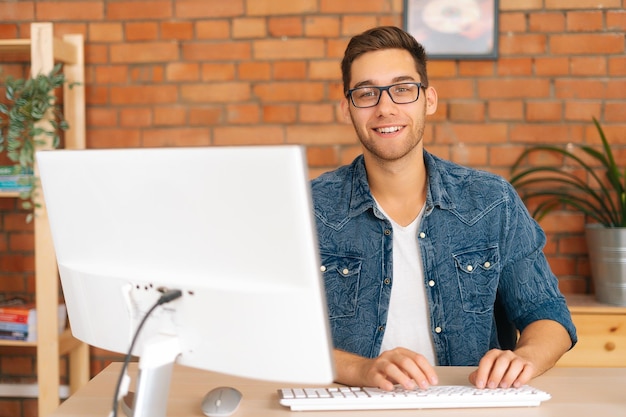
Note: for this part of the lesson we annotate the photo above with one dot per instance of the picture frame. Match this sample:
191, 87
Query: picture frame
454, 29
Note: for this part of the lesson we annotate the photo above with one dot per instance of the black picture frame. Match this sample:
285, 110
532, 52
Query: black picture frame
454, 29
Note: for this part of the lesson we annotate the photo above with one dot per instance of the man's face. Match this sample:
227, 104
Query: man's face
389, 131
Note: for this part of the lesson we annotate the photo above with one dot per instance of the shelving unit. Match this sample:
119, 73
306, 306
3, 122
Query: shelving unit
601, 332
44, 50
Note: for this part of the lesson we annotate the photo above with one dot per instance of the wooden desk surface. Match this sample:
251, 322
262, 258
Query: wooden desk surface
575, 392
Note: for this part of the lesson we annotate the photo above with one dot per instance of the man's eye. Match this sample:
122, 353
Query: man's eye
367, 93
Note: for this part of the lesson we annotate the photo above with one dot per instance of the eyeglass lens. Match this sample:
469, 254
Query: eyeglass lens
402, 93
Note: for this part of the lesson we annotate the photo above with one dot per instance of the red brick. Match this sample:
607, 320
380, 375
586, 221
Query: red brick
170, 115
243, 113
570, 88
354, 24
142, 52
585, 21
111, 74
324, 70
507, 5
582, 110
616, 19
176, 137
514, 88
501, 110
322, 156
226, 51
244, 135
226, 92
589, 66
522, 44
290, 70
279, 113
545, 133
321, 26
289, 49
137, 9
182, 71
581, 4
476, 68
547, 22
69, 10
148, 94
113, 138
136, 117
289, 92
471, 133
255, 70
552, 65
17, 10
205, 116
468, 111
544, 111
316, 113
217, 72
247, 27
102, 117
515, 66
176, 30
320, 134
105, 32
213, 29
513, 22
457, 88
617, 66
142, 31
285, 26
594, 43
343, 7
280, 7
208, 8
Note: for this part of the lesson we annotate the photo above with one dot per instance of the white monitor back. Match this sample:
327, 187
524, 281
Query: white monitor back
231, 227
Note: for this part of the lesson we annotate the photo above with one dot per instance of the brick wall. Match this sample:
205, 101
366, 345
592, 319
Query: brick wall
215, 72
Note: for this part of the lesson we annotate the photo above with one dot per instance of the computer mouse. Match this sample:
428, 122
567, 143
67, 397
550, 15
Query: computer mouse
221, 402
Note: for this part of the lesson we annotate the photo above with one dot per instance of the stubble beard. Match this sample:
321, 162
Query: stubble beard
378, 149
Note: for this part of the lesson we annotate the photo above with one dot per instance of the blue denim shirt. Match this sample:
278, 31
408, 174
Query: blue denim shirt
476, 239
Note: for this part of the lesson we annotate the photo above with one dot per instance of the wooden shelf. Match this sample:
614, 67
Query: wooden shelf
42, 51
601, 332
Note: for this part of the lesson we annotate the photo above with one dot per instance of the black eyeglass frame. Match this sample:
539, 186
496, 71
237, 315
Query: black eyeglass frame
386, 88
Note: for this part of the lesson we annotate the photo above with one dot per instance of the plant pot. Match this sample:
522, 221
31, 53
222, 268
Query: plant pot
607, 258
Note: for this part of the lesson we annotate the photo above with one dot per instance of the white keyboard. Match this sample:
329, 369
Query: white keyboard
440, 396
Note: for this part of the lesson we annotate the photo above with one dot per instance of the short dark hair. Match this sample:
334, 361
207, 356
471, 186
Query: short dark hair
380, 38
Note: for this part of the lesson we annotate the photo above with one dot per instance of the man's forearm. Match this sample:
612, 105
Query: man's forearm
543, 343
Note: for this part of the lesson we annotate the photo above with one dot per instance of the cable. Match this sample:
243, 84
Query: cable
168, 295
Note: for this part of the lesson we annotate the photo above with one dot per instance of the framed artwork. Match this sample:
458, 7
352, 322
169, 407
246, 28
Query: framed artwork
454, 29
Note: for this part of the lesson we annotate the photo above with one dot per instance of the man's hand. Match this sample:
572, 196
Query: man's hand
397, 366
502, 369
540, 345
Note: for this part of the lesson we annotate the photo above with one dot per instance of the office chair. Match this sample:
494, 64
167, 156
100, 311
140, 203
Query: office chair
507, 333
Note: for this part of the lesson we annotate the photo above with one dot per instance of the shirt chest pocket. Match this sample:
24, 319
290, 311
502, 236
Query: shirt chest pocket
341, 279
477, 273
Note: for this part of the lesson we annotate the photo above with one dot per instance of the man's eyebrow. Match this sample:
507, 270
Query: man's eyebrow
370, 83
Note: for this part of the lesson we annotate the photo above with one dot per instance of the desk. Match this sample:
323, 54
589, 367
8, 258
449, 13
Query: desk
575, 392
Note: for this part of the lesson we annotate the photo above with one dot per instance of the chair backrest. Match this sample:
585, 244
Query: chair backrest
507, 333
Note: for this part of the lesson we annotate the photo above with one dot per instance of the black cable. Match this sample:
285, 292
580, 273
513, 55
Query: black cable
169, 295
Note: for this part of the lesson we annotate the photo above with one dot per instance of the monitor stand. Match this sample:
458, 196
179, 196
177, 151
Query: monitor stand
156, 364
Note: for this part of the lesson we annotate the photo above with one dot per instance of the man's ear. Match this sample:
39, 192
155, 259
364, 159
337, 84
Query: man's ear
345, 110
431, 100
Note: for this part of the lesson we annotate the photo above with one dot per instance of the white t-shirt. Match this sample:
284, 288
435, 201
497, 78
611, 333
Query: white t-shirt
408, 319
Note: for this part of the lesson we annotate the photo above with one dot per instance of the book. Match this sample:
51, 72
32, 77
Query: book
9, 335
20, 330
15, 313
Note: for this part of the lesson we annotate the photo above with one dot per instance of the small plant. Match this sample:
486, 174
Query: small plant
600, 196
31, 119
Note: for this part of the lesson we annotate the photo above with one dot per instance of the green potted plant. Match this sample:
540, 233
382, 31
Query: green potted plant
30, 119
590, 181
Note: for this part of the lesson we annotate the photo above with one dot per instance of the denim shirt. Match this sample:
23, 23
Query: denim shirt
476, 239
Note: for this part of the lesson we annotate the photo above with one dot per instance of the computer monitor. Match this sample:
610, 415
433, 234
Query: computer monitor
231, 227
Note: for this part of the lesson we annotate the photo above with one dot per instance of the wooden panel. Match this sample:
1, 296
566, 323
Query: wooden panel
601, 341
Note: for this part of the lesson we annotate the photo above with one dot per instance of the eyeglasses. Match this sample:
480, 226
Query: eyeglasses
401, 93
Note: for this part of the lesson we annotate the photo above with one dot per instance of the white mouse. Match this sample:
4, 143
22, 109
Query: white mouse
221, 402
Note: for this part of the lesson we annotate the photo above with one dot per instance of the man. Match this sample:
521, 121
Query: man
414, 249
